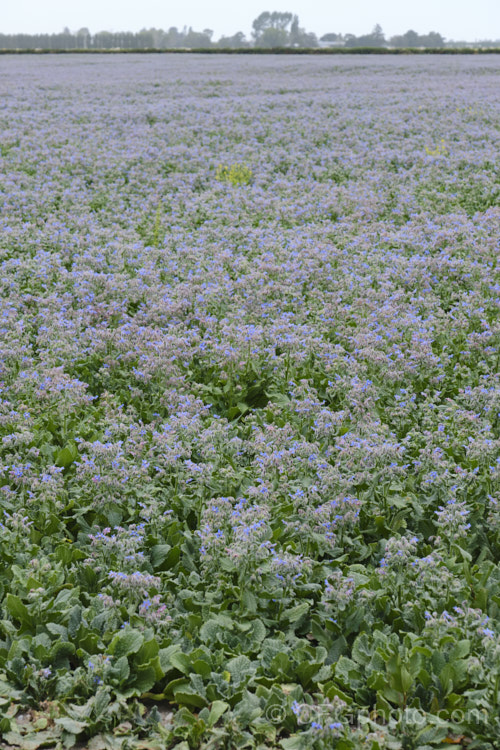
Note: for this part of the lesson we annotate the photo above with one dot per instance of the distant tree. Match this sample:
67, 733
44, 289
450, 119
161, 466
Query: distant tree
331, 38
126, 40
300, 37
83, 38
272, 29
411, 39
272, 37
375, 39
378, 36
157, 35
237, 41
173, 38
198, 39
350, 40
269, 30
280, 30
145, 39
433, 40
103, 40
396, 41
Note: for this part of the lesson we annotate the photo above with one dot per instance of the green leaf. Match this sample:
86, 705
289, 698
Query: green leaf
64, 553
28, 742
144, 679
105, 742
249, 601
159, 554
406, 680
280, 664
349, 672
392, 695
17, 609
189, 698
121, 669
460, 672
74, 620
165, 655
295, 613
361, 651
240, 668
147, 652
338, 647
446, 678
71, 725
336, 691
56, 629
125, 643
306, 670
271, 647
66, 456
182, 662
432, 734
210, 630
438, 660
258, 632
292, 743
59, 654
460, 650
202, 668
384, 708
216, 710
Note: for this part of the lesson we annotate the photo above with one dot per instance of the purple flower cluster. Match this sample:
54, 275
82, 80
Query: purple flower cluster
263, 365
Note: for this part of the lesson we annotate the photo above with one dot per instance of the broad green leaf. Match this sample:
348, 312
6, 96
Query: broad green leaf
121, 669
56, 629
406, 680
216, 710
361, 650
392, 695
239, 668
280, 665
17, 609
188, 698
159, 553
147, 652
67, 455
182, 662
125, 643
349, 672
460, 650
31, 741
71, 725
74, 620
293, 743
249, 600
144, 679
165, 655
201, 667
432, 734
210, 630
295, 613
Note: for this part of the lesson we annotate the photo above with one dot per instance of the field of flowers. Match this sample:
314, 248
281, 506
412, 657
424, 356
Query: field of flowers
250, 396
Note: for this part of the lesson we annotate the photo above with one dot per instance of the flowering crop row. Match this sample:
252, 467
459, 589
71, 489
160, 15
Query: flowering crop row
250, 401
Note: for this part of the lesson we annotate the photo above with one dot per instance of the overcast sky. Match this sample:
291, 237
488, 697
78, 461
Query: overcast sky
454, 19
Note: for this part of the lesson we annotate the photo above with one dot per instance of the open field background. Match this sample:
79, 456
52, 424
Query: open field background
249, 408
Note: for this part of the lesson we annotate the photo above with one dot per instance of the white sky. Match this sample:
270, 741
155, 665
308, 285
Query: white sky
454, 19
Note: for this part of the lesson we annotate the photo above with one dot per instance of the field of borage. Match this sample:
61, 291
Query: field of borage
250, 396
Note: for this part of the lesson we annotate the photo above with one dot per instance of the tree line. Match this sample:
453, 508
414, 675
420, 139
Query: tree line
269, 30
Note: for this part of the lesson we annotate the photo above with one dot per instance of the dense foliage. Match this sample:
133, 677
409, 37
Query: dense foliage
250, 396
